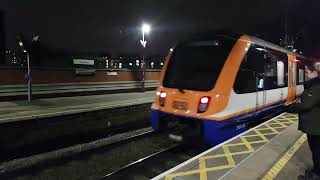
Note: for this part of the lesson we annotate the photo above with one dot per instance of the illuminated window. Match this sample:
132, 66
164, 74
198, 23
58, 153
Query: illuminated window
301, 75
280, 73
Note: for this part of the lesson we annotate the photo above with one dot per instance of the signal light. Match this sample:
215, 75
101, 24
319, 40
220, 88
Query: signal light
204, 104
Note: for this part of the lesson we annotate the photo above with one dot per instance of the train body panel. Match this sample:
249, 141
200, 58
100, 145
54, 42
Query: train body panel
245, 103
223, 82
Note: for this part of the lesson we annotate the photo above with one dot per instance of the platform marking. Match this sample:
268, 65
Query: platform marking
275, 127
274, 171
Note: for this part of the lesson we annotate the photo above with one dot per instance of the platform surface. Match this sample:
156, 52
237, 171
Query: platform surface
40, 108
272, 150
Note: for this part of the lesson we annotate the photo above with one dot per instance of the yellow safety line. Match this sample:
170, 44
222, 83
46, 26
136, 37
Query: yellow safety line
279, 123
272, 129
202, 168
255, 135
261, 135
228, 156
274, 171
224, 155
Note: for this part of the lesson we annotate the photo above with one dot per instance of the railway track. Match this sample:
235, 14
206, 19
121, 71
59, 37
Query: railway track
156, 163
94, 163
67, 141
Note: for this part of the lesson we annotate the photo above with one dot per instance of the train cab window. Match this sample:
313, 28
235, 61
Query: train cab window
196, 64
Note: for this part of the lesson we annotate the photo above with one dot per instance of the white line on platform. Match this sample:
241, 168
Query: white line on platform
208, 151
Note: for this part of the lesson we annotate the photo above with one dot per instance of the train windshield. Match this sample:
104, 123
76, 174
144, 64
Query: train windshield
196, 65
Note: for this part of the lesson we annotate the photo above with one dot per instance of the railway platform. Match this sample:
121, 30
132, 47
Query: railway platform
44, 125
272, 150
13, 111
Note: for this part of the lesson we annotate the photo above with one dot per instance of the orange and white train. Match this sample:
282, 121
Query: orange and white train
222, 81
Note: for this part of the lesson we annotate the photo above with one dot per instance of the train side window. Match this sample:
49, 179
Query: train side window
270, 72
301, 76
282, 57
300, 73
280, 73
251, 67
245, 82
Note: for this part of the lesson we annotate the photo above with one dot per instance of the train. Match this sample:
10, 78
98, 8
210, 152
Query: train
219, 82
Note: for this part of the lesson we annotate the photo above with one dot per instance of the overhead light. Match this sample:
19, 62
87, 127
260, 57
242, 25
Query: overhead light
146, 28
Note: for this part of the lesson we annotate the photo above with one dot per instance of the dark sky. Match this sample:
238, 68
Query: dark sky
113, 26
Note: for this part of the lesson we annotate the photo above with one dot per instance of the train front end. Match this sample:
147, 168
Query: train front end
195, 84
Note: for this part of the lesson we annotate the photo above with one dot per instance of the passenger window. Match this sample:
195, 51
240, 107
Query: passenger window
282, 67
270, 72
262, 69
280, 70
300, 73
301, 76
251, 70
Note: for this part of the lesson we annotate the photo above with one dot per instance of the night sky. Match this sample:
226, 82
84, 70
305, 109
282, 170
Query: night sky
113, 26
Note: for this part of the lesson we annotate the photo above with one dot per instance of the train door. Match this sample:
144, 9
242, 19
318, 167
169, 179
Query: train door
261, 79
292, 77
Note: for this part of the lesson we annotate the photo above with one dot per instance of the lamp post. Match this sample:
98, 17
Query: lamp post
23, 49
29, 78
145, 30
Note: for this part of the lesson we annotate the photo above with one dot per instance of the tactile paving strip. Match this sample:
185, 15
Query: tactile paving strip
216, 163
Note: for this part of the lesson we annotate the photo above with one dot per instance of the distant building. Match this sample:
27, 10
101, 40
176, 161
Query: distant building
14, 59
2, 38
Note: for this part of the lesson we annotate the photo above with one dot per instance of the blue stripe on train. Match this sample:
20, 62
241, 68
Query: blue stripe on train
215, 132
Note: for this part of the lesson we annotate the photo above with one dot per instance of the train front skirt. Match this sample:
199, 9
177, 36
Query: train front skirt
214, 132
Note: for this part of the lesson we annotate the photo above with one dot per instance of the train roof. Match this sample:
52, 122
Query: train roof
254, 39
270, 45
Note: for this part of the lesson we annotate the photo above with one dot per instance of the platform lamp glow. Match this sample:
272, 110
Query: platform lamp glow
145, 29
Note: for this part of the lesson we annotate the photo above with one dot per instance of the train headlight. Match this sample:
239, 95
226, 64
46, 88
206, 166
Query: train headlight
162, 98
163, 95
204, 104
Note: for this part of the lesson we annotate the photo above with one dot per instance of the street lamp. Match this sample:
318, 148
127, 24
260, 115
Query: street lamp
145, 28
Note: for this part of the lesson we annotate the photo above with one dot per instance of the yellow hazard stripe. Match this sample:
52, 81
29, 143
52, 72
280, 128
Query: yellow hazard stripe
274, 171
